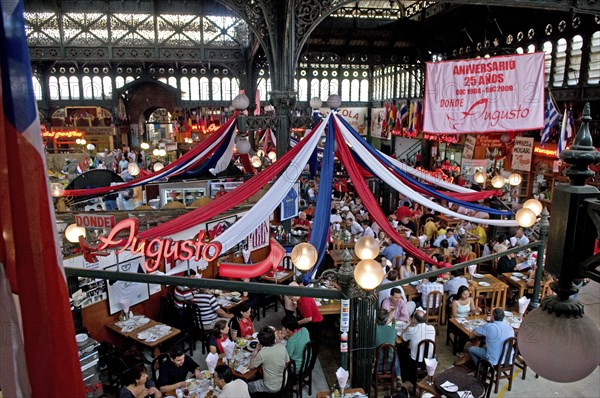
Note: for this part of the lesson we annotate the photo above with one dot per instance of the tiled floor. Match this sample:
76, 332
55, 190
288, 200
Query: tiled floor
531, 387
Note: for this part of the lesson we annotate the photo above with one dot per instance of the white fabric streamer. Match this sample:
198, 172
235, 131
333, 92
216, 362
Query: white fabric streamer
223, 163
267, 204
386, 175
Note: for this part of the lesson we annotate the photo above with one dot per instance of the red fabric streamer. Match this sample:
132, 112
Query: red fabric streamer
245, 159
185, 158
371, 203
229, 200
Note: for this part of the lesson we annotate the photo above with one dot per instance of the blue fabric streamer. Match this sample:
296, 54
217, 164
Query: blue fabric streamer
320, 227
414, 181
209, 163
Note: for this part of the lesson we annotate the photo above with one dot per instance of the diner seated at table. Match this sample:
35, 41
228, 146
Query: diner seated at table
392, 249
519, 239
241, 325
173, 372
449, 236
408, 269
464, 251
136, 384
301, 223
396, 306
454, 283
218, 335
386, 334
335, 218
507, 263
417, 331
385, 263
428, 286
273, 358
211, 312
496, 333
296, 336
223, 379
406, 224
354, 227
463, 305
431, 228
367, 230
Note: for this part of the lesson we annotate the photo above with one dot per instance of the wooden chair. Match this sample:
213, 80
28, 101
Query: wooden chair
425, 349
505, 366
309, 358
485, 374
383, 368
547, 289
498, 297
156, 364
337, 244
433, 311
397, 262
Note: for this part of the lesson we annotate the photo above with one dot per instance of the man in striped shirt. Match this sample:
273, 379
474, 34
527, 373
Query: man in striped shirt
211, 312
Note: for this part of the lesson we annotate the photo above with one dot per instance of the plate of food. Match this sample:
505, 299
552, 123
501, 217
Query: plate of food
517, 274
143, 320
143, 335
241, 342
193, 384
252, 345
478, 276
485, 284
235, 294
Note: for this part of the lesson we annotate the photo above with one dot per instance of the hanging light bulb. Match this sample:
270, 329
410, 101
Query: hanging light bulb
480, 177
158, 166
515, 179
315, 103
83, 141
534, 205
78, 141
525, 217
260, 153
272, 155
56, 189
91, 147
498, 181
162, 152
368, 274
156, 152
366, 248
304, 256
256, 162
243, 146
144, 145
73, 232
133, 169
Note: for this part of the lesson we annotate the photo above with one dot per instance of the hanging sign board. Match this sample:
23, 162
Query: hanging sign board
484, 95
95, 220
354, 116
522, 153
469, 148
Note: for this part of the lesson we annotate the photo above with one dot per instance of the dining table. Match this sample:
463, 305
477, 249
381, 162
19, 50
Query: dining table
149, 333
464, 328
518, 280
337, 257
490, 282
410, 290
459, 378
348, 393
328, 307
240, 364
228, 301
279, 276
198, 388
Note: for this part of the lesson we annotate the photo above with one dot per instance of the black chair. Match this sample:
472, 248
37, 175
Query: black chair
156, 364
485, 374
304, 375
383, 368
114, 364
425, 349
287, 384
267, 301
198, 331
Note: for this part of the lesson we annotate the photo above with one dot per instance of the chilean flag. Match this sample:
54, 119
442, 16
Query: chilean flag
45, 361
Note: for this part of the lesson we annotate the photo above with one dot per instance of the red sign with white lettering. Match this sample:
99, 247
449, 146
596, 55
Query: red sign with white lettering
95, 220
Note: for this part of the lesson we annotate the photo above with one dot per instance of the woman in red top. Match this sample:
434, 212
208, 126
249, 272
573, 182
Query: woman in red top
219, 334
241, 325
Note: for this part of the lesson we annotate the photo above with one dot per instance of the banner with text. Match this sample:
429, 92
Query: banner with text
469, 148
354, 116
496, 94
522, 153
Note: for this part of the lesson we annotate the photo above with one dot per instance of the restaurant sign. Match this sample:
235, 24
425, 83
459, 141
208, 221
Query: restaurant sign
522, 153
95, 220
157, 249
